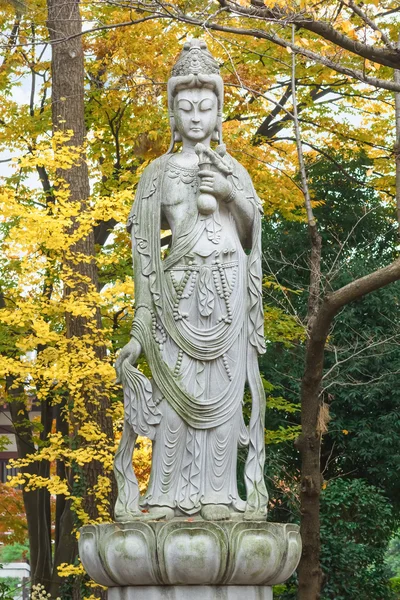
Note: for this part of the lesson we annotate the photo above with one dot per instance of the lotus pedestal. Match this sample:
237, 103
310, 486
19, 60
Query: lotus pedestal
190, 559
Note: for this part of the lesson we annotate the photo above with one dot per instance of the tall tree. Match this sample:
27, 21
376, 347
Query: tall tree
358, 422
81, 276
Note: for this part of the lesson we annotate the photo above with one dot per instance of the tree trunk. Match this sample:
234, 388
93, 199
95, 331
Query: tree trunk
65, 543
36, 505
64, 22
309, 444
397, 143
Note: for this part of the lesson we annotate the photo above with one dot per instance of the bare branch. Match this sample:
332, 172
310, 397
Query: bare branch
358, 352
353, 291
276, 39
269, 130
315, 238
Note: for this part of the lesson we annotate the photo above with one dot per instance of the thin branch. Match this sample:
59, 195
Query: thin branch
11, 41
315, 238
360, 383
265, 162
358, 352
338, 165
388, 58
258, 34
302, 167
342, 245
105, 27
358, 11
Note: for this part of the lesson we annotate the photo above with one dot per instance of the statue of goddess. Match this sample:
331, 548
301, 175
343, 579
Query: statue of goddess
198, 317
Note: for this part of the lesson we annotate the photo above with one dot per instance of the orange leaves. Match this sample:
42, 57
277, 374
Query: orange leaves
13, 526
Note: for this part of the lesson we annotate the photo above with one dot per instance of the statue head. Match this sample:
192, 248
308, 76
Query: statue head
195, 95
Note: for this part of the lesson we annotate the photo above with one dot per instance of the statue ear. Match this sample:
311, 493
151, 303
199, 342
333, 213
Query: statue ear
177, 136
217, 133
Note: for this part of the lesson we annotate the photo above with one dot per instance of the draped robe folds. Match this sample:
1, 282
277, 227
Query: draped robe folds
199, 319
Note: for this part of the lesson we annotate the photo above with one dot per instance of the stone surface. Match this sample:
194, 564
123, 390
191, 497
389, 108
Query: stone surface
191, 592
182, 552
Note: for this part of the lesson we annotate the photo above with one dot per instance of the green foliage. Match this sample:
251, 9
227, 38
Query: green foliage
4, 442
393, 556
395, 586
356, 525
282, 434
14, 552
361, 451
363, 355
8, 586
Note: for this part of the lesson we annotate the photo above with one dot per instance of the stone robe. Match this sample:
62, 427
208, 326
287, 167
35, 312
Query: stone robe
199, 319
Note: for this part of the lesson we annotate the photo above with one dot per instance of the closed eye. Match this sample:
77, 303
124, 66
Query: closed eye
185, 105
206, 104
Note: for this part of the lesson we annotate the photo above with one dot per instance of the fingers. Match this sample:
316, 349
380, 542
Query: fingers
206, 173
207, 181
118, 367
120, 359
206, 189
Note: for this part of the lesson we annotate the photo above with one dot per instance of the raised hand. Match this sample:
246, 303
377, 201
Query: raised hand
215, 183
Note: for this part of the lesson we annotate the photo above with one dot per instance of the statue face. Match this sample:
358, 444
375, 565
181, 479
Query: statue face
195, 112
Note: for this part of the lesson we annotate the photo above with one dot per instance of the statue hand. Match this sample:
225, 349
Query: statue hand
131, 352
215, 183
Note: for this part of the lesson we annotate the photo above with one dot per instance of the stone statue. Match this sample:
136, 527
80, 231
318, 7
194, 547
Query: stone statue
198, 318
199, 322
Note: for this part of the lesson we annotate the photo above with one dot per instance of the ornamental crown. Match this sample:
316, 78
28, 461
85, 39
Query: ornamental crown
195, 59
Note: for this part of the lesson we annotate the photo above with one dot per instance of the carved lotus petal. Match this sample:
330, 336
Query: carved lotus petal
129, 554
88, 551
291, 558
255, 554
192, 555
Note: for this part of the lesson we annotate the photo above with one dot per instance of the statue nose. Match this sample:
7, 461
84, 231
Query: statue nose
196, 115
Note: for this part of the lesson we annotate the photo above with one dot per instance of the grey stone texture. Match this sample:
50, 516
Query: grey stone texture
192, 592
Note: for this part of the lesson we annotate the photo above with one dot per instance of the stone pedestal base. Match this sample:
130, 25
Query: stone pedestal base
186, 559
191, 592
180, 552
